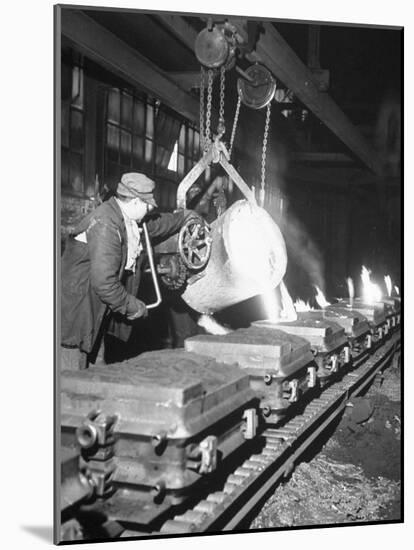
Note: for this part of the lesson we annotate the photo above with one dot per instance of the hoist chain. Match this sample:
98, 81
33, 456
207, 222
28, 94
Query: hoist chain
202, 84
221, 128
266, 133
235, 121
208, 114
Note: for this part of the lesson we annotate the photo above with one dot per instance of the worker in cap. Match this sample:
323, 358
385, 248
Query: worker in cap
101, 268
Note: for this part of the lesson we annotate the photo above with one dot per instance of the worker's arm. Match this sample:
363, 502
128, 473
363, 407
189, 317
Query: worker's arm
166, 224
104, 242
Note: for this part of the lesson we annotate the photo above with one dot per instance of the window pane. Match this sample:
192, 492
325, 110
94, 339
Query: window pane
181, 140
112, 143
150, 120
76, 173
126, 111
196, 151
190, 141
138, 150
126, 143
139, 117
77, 87
64, 169
180, 165
76, 134
112, 174
65, 125
148, 150
172, 196
113, 105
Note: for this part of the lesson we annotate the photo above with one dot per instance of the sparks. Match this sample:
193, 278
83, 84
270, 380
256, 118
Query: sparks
397, 290
388, 284
320, 298
370, 292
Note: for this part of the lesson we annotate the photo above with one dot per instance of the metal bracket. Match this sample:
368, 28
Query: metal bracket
208, 448
347, 354
216, 154
293, 385
312, 377
251, 423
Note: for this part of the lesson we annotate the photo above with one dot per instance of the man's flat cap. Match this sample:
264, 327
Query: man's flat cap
134, 184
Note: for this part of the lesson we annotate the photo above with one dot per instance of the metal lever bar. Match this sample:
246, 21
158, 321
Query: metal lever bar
152, 268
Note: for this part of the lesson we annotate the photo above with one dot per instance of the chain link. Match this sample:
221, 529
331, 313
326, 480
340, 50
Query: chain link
202, 85
208, 114
235, 121
221, 128
264, 149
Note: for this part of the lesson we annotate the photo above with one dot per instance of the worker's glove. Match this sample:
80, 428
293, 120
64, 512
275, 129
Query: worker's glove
141, 311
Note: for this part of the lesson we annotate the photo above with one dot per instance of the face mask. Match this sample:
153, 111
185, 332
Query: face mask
135, 209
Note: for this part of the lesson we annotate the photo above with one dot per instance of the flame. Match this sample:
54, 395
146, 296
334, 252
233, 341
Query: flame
370, 291
320, 298
397, 290
351, 290
388, 284
301, 305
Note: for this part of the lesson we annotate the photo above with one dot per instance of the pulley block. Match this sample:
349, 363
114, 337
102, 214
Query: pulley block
212, 48
259, 90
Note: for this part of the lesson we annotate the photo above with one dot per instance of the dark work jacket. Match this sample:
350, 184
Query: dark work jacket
94, 281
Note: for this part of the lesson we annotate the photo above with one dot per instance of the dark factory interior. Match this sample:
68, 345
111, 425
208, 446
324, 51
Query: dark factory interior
309, 116
335, 160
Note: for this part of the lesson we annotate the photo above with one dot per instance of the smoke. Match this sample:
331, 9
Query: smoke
302, 249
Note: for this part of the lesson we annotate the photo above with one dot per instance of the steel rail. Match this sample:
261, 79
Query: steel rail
251, 482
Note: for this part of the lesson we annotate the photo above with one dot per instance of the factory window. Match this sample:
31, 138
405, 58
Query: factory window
167, 129
188, 149
72, 130
129, 139
173, 164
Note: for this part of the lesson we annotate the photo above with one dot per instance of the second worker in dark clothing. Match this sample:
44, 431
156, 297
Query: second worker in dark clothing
101, 268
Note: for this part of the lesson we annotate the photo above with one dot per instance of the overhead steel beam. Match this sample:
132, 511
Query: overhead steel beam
179, 28
278, 57
108, 50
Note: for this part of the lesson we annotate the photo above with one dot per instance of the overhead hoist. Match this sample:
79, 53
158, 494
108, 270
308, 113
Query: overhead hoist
182, 258
215, 48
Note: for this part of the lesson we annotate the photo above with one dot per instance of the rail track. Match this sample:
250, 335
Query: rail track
249, 484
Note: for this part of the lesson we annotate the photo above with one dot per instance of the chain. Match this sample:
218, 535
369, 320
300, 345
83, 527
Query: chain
221, 128
209, 100
266, 133
235, 121
202, 85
